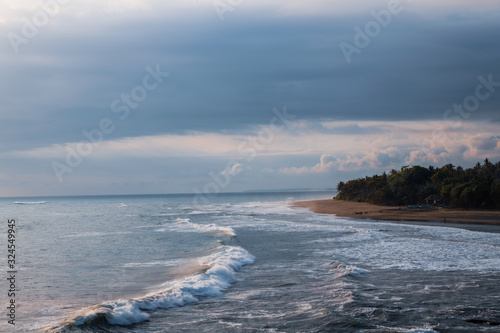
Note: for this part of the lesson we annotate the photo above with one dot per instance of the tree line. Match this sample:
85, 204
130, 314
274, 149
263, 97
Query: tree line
474, 188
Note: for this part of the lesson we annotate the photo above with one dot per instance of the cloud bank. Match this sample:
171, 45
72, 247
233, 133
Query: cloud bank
388, 106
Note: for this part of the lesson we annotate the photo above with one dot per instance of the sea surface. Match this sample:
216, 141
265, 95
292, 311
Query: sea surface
245, 262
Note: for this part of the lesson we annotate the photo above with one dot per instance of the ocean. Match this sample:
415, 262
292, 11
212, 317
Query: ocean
244, 262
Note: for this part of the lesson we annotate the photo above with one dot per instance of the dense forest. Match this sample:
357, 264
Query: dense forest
477, 187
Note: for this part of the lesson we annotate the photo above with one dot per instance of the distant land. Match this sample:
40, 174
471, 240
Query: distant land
468, 198
291, 190
448, 186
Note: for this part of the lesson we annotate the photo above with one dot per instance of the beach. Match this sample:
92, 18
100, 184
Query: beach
480, 220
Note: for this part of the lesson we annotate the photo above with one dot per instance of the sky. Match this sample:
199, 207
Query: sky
208, 96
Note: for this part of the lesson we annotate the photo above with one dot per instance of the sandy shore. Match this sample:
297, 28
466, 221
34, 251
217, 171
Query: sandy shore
484, 220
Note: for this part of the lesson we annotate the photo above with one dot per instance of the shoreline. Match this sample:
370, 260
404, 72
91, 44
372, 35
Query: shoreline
475, 220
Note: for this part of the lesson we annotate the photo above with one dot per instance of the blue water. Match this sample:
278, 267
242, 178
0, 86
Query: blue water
244, 262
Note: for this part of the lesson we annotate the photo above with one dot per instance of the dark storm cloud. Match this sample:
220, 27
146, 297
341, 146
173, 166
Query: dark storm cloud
229, 76
488, 144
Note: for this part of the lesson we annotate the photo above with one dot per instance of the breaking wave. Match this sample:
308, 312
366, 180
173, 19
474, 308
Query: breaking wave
209, 227
30, 202
219, 274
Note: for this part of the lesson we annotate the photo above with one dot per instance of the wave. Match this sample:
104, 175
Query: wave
30, 202
164, 214
399, 330
341, 270
220, 273
96, 234
173, 262
209, 227
426, 248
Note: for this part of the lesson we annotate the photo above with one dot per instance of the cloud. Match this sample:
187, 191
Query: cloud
386, 159
234, 170
487, 143
227, 76
327, 162
306, 155
351, 128
193, 144
395, 148
382, 144
483, 146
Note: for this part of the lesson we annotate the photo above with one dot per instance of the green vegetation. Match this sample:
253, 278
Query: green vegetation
477, 187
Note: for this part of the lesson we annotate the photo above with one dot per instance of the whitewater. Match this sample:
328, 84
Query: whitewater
246, 262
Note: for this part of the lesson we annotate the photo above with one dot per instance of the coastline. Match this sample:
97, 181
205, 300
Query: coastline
476, 220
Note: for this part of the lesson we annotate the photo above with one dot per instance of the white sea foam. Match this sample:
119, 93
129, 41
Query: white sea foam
164, 214
122, 205
30, 202
209, 227
282, 225
421, 247
399, 330
202, 212
353, 270
96, 234
261, 208
221, 273
173, 262
343, 270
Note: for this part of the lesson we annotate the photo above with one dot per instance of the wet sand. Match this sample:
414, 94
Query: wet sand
477, 220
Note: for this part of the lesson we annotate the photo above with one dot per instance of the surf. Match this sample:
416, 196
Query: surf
217, 272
